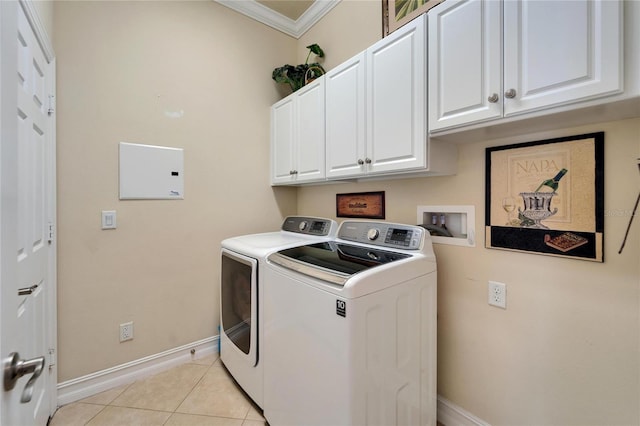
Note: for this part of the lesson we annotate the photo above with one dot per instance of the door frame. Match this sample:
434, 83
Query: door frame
7, 116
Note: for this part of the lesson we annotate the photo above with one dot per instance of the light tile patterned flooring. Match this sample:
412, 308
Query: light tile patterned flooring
199, 393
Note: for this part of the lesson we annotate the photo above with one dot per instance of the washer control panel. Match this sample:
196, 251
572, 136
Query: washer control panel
407, 237
308, 225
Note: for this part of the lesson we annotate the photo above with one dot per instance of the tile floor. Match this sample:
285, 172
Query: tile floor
199, 393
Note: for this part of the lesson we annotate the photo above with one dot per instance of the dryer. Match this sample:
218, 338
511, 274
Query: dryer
242, 286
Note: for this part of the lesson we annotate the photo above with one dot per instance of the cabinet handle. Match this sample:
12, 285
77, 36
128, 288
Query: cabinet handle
293, 172
367, 160
493, 98
360, 161
510, 94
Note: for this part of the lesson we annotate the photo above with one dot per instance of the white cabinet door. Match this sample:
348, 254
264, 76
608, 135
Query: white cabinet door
465, 57
557, 52
310, 153
297, 136
345, 115
396, 100
487, 63
282, 141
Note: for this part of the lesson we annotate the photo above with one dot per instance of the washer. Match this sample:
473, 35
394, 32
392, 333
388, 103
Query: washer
241, 293
350, 329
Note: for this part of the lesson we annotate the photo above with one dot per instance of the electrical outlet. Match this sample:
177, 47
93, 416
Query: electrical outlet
126, 331
498, 294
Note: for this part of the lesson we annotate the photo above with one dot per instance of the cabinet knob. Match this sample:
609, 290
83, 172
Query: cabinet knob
493, 98
510, 94
360, 161
367, 160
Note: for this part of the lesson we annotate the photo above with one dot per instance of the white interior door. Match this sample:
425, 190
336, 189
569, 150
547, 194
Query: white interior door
27, 176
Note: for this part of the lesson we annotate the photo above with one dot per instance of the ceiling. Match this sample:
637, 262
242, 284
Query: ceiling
292, 17
292, 9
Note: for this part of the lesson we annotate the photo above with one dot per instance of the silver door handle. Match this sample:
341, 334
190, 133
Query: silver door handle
25, 291
493, 98
14, 368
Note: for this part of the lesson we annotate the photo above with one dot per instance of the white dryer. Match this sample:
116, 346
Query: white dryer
242, 285
350, 329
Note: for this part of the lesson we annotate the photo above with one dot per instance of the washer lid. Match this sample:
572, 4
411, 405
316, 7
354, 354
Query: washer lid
333, 262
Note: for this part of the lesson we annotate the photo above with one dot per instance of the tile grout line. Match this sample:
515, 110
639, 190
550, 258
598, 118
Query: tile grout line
190, 392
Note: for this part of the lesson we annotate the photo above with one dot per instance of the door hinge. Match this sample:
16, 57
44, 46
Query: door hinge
50, 238
52, 105
52, 358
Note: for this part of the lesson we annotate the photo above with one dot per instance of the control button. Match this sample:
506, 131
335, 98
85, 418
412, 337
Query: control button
373, 233
303, 225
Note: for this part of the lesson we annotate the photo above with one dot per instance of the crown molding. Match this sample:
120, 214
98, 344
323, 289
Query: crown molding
269, 17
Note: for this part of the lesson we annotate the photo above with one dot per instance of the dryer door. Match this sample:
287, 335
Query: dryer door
239, 306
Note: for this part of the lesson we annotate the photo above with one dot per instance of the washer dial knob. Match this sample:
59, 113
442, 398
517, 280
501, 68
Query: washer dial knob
373, 233
303, 225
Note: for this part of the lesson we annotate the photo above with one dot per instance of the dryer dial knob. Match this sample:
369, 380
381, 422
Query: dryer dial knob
303, 225
373, 233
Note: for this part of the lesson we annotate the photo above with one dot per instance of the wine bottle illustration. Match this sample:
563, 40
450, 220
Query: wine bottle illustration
553, 183
537, 205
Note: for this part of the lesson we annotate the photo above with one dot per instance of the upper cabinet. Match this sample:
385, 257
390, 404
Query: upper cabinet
512, 66
397, 100
491, 59
346, 148
376, 111
297, 136
376, 107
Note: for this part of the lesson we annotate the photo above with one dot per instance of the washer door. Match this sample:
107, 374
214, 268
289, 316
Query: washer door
239, 305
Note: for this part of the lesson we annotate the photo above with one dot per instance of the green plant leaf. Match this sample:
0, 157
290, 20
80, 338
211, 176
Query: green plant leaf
281, 74
316, 49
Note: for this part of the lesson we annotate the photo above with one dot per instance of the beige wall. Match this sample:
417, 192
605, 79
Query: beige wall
566, 349
123, 68
350, 27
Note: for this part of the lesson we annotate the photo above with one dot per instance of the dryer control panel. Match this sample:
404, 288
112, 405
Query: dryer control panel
309, 225
393, 235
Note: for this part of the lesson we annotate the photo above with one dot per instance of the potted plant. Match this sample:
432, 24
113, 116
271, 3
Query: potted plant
301, 74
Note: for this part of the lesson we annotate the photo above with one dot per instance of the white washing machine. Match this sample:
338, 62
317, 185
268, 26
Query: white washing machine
350, 329
242, 285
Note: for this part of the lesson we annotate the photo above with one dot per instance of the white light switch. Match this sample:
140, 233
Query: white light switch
108, 219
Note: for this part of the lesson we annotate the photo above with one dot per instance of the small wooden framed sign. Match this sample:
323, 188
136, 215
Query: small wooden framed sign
365, 205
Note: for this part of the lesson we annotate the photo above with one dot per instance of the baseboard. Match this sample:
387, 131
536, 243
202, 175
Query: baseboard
449, 414
91, 384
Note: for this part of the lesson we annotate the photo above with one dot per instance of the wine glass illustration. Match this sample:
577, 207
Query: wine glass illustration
509, 205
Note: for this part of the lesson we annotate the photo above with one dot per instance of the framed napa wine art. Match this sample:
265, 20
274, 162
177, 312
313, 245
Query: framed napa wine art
396, 13
547, 197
